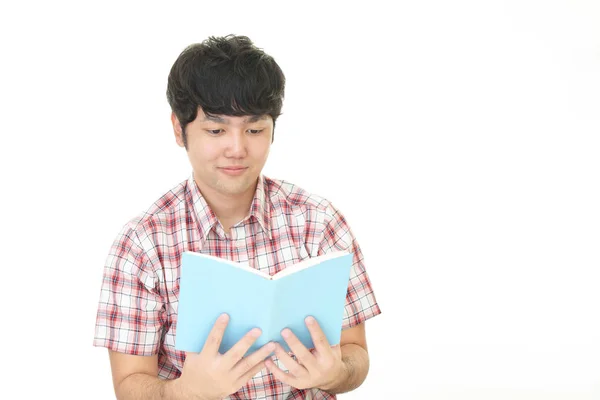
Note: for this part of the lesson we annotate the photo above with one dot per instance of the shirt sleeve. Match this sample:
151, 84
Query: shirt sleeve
361, 304
131, 311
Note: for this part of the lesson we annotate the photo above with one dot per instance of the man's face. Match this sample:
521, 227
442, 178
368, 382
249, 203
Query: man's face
227, 153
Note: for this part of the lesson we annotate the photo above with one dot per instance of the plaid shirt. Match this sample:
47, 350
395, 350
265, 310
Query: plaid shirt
137, 311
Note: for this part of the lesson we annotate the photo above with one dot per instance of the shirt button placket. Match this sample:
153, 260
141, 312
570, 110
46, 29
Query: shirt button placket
240, 236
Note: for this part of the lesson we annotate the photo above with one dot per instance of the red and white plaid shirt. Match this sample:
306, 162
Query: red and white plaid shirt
137, 311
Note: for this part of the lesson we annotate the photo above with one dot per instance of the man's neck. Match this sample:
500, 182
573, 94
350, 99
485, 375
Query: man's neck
229, 209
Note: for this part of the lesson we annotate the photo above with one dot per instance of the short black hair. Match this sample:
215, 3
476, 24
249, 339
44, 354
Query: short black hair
225, 76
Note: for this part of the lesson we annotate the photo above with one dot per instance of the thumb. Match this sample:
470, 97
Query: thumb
337, 349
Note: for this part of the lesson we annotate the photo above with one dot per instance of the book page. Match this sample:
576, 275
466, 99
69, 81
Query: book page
243, 266
309, 262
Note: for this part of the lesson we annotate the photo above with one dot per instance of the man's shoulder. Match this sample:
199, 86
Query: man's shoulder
164, 213
283, 193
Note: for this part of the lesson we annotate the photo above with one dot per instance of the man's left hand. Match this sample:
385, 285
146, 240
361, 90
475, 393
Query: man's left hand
321, 368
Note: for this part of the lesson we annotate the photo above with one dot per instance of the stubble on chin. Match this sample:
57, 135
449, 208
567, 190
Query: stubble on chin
233, 187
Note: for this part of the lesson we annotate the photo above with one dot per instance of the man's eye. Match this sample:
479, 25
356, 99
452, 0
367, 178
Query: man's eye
255, 131
214, 131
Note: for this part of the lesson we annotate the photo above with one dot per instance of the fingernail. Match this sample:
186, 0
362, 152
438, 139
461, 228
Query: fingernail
271, 346
223, 317
285, 333
310, 320
256, 332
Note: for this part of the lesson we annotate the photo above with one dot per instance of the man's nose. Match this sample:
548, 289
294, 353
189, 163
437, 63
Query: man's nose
237, 145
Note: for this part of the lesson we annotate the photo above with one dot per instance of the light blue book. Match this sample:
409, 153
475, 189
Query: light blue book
210, 286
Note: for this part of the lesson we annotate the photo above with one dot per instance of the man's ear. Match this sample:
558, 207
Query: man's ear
177, 130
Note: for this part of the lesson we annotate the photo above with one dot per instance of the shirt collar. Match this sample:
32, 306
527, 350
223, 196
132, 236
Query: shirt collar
259, 208
204, 214
207, 219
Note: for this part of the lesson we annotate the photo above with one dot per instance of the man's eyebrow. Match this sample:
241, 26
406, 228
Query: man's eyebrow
254, 118
214, 119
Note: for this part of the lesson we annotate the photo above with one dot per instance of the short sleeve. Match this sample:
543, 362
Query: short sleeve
361, 304
131, 312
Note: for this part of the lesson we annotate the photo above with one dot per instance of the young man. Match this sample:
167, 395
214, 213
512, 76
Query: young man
225, 96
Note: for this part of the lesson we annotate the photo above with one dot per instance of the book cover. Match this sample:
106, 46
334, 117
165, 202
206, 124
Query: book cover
210, 286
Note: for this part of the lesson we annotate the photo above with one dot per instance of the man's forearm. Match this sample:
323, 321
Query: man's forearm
356, 362
146, 387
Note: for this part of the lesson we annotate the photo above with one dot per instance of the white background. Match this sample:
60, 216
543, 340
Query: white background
459, 138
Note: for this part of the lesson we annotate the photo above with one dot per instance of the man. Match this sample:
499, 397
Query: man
225, 96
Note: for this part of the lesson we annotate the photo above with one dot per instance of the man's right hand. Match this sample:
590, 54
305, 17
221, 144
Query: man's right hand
210, 375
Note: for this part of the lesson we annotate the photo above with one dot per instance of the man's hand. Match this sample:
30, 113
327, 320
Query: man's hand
321, 368
211, 375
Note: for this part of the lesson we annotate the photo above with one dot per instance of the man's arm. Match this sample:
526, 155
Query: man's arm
356, 360
360, 306
136, 378
205, 375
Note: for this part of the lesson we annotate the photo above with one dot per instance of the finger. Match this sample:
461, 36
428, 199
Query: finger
238, 350
247, 363
318, 336
248, 375
299, 350
280, 375
213, 341
296, 370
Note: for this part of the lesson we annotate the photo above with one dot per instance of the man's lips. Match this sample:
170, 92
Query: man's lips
233, 170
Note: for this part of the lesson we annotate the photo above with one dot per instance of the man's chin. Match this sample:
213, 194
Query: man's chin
235, 188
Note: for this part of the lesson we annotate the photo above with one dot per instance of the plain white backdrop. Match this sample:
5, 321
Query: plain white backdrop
460, 139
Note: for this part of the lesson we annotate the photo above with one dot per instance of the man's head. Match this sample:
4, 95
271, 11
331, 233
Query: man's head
224, 76
225, 95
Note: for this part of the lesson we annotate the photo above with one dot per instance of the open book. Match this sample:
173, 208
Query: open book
210, 286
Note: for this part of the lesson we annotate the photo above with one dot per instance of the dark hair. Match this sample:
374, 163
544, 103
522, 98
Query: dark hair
227, 76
